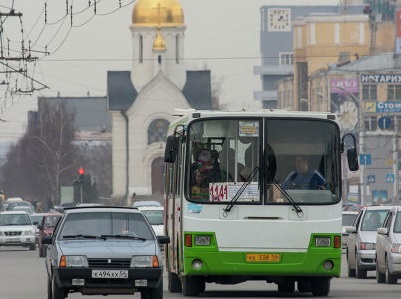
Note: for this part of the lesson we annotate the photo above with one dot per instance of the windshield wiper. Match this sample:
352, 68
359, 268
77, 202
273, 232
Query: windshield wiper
240, 190
80, 236
123, 237
296, 207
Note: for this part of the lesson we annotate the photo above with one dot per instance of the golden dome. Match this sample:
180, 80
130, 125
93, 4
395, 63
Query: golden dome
158, 13
159, 43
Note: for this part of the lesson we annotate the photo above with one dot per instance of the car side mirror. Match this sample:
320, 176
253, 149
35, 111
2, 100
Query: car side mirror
163, 239
47, 240
351, 230
382, 231
40, 226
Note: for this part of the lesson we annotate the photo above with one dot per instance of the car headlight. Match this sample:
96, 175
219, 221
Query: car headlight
395, 248
73, 261
29, 232
367, 246
144, 261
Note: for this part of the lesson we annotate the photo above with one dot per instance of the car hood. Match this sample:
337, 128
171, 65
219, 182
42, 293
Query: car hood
368, 236
108, 248
17, 227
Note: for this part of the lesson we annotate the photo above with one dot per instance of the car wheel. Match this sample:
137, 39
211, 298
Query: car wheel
49, 288
320, 286
359, 272
287, 286
32, 246
380, 277
57, 292
304, 286
40, 249
390, 278
174, 283
192, 285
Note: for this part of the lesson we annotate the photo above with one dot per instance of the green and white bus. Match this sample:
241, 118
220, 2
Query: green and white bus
227, 214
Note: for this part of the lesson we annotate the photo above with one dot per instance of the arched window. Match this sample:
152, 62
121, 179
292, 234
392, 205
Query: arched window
140, 49
177, 49
157, 131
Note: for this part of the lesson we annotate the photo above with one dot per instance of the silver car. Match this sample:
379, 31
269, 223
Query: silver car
361, 244
102, 250
388, 248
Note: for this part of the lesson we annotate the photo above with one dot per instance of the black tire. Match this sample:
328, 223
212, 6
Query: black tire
153, 293
32, 246
40, 249
361, 273
287, 286
380, 277
192, 285
174, 283
390, 278
304, 286
351, 272
320, 286
49, 288
57, 292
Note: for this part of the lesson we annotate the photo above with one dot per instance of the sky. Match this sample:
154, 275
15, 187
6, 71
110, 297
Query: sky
221, 35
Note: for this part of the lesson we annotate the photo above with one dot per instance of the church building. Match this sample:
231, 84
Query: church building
141, 101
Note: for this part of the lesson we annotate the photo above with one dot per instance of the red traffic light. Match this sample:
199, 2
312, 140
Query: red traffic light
81, 171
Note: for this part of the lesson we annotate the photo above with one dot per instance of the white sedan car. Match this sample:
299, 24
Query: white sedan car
155, 216
388, 248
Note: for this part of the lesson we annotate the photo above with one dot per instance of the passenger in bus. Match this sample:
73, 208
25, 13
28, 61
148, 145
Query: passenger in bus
305, 176
200, 188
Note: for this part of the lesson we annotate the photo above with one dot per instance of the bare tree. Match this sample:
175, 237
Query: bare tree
44, 157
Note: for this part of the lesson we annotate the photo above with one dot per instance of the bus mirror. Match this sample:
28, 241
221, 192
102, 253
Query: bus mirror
352, 158
170, 153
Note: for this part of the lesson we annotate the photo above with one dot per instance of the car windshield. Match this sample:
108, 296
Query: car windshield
14, 219
155, 217
105, 224
373, 219
37, 218
348, 219
397, 223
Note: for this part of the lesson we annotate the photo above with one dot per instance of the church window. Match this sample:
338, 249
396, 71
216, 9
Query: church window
159, 59
177, 49
140, 49
157, 130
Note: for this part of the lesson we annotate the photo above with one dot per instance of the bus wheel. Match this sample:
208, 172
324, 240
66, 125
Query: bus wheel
287, 286
174, 283
304, 286
320, 286
192, 285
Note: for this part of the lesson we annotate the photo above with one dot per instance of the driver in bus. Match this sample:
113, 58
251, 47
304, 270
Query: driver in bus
305, 176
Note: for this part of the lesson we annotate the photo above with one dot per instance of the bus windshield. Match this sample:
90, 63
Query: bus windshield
263, 161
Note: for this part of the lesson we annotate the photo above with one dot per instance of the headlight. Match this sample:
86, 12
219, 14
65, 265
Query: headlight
323, 242
367, 246
29, 232
76, 261
202, 240
395, 248
144, 261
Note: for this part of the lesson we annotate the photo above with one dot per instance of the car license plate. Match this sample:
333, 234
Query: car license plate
262, 257
109, 273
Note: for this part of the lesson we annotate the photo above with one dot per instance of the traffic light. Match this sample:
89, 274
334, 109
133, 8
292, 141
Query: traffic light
81, 175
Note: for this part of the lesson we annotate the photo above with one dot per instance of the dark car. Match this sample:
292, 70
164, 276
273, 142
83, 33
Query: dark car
46, 228
104, 251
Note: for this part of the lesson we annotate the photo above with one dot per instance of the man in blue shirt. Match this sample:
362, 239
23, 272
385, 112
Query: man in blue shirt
304, 177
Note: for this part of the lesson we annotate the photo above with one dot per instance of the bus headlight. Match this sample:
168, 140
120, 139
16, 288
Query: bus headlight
202, 240
323, 242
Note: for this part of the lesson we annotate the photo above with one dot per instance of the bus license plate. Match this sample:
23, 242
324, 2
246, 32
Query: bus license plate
109, 273
262, 257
